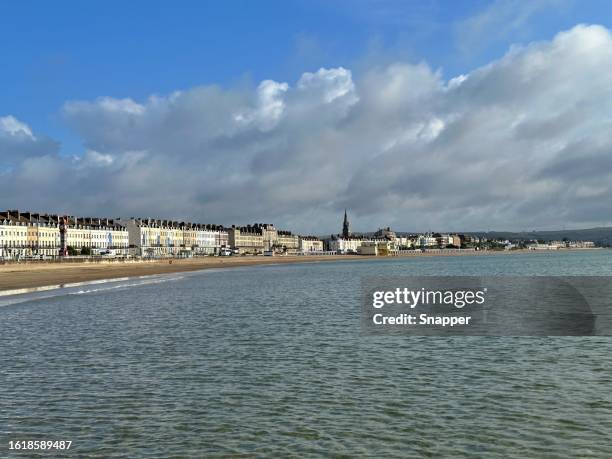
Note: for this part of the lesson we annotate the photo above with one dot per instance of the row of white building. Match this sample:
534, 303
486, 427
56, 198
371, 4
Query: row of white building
554, 245
24, 234
389, 241
27, 234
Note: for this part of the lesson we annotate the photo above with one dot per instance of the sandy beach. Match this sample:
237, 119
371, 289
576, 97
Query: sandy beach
25, 275
36, 274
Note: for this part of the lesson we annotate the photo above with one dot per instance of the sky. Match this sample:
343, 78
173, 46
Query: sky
424, 115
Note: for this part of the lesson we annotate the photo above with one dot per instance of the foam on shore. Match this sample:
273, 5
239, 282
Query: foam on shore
9, 297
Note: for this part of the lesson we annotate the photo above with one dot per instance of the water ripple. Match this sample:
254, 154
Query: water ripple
271, 362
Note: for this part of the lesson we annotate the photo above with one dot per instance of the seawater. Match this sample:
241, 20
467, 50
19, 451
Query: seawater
270, 361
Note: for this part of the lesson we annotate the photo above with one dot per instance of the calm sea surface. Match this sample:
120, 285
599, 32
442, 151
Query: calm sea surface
270, 361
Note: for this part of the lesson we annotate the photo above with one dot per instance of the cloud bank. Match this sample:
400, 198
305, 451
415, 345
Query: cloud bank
524, 142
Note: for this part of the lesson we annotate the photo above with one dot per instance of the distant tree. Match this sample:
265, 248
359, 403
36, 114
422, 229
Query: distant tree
72, 251
85, 251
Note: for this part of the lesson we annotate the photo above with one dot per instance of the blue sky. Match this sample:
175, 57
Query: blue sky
114, 98
68, 50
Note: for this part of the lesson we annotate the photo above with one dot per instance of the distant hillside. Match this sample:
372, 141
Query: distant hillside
601, 236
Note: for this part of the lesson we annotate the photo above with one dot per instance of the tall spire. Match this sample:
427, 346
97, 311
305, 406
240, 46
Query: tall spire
345, 226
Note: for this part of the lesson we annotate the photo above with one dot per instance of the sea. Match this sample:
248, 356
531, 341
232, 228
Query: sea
271, 361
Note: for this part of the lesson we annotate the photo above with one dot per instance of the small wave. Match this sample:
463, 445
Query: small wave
16, 296
132, 284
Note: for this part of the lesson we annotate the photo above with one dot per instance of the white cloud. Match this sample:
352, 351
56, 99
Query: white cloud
121, 105
330, 84
522, 142
18, 142
9, 125
270, 106
92, 158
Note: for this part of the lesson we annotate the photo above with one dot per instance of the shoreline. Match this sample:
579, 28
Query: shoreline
36, 276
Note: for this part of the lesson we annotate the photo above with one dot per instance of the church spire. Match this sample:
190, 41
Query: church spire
345, 226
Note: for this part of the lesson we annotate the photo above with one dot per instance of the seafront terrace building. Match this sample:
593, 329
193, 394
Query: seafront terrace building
172, 240
203, 239
211, 239
145, 237
278, 240
548, 246
190, 236
246, 239
309, 244
444, 240
286, 242
383, 247
427, 240
404, 242
98, 234
13, 235
269, 234
89, 235
27, 234
580, 244
43, 235
78, 234
221, 237
165, 238
351, 244
273, 239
